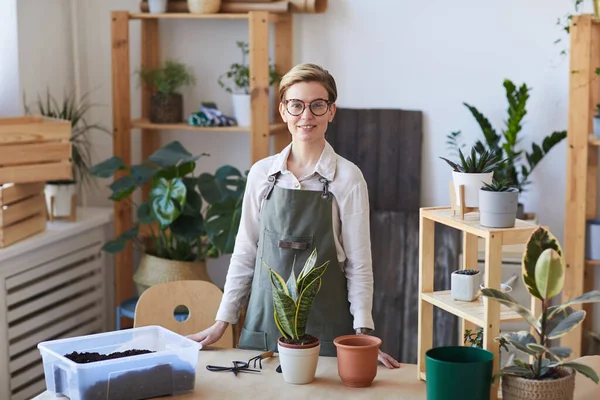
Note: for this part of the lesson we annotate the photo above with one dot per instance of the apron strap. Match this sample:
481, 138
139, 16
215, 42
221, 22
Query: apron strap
272, 181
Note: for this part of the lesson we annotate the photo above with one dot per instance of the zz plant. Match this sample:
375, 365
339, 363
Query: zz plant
181, 226
292, 300
543, 272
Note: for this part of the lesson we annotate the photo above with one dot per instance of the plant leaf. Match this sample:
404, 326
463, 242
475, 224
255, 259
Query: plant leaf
549, 274
511, 303
561, 352
188, 227
292, 286
521, 340
540, 240
285, 307
122, 187
171, 155
142, 173
222, 223
308, 265
515, 370
115, 246
144, 213
567, 324
589, 297
283, 333
167, 199
305, 301
584, 370
276, 280
108, 168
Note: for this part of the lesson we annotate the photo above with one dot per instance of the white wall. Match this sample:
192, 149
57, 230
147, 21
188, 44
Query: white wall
9, 60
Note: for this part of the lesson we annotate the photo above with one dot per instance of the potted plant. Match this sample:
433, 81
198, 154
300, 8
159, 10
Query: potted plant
550, 375
76, 111
519, 163
187, 218
471, 172
157, 6
239, 74
498, 204
166, 104
292, 302
464, 284
597, 121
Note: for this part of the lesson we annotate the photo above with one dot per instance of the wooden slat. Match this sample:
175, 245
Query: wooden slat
259, 85
11, 193
122, 146
470, 253
34, 153
582, 101
53, 281
54, 313
187, 16
31, 131
143, 123
22, 210
36, 172
492, 314
22, 230
284, 61
426, 269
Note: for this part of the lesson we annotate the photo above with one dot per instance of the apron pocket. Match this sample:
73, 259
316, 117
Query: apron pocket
278, 252
253, 340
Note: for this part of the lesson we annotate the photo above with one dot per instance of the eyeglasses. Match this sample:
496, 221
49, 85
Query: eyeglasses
296, 107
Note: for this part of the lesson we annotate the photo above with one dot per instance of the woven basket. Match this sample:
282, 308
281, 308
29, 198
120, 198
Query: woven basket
153, 270
204, 6
516, 388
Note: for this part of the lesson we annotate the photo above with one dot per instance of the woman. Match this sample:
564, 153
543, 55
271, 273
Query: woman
305, 197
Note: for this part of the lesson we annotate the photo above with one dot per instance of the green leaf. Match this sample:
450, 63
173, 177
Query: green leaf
589, 297
276, 280
144, 213
283, 332
515, 370
561, 352
511, 303
172, 154
188, 227
584, 370
115, 246
549, 274
292, 285
142, 173
222, 224
108, 168
313, 274
521, 340
193, 200
122, 187
285, 307
168, 200
491, 137
540, 240
309, 264
567, 324
227, 183
305, 302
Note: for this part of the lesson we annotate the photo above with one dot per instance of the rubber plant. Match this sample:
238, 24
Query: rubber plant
292, 300
543, 272
517, 164
188, 218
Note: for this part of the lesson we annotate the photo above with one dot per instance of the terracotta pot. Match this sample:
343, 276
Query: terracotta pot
357, 359
517, 388
298, 362
154, 270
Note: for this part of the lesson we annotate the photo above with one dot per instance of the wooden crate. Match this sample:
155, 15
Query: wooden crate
22, 211
35, 149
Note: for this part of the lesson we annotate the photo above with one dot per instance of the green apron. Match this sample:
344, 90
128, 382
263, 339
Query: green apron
292, 224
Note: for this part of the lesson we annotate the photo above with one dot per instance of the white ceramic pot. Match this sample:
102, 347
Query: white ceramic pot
472, 184
597, 127
298, 365
498, 209
157, 6
241, 109
62, 193
464, 287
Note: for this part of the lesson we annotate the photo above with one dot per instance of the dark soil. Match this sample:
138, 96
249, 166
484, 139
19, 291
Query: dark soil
83, 358
306, 339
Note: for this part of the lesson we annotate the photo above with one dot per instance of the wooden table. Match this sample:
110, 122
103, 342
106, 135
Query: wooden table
393, 384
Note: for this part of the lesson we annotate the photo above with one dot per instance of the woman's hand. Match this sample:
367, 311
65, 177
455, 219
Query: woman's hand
388, 360
210, 335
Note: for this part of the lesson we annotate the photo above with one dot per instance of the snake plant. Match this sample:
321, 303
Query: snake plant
292, 300
543, 272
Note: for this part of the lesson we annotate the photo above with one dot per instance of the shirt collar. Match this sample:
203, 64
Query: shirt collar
325, 167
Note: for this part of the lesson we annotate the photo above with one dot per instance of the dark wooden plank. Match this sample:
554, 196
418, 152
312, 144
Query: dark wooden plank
395, 248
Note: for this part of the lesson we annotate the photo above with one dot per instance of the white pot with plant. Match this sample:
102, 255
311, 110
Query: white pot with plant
498, 203
189, 218
157, 6
239, 74
597, 121
550, 376
464, 284
61, 196
298, 351
471, 172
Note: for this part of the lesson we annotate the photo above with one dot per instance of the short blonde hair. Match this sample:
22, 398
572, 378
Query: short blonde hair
308, 73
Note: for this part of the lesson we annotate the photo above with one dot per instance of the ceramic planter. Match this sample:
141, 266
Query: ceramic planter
472, 183
63, 193
242, 110
166, 109
157, 6
464, 284
498, 209
204, 6
357, 359
458, 372
517, 388
298, 362
597, 126
592, 239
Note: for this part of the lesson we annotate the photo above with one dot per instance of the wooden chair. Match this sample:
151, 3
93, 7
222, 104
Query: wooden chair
157, 305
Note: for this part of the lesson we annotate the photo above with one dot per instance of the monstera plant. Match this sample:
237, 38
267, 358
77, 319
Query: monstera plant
292, 302
543, 272
188, 218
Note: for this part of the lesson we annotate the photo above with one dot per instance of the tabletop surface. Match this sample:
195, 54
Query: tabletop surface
268, 384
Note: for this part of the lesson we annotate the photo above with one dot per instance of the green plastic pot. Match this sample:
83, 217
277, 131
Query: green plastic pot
458, 372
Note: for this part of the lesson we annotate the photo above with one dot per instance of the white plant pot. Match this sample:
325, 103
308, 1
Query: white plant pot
464, 287
472, 184
157, 6
242, 109
62, 193
298, 366
597, 127
498, 209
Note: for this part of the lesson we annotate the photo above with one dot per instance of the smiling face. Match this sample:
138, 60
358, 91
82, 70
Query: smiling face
307, 127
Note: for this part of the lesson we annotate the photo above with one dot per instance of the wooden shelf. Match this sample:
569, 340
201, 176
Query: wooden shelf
593, 140
472, 311
144, 123
515, 235
592, 263
236, 16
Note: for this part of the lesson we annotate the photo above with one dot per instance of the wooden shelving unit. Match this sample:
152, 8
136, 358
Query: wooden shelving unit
260, 130
481, 312
582, 166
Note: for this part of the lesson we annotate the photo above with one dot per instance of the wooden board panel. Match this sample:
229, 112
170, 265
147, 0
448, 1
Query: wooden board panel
284, 61
395, 247
34, 153
37, 173
22, 230
386, 146
11, 193
23, 209
32, 129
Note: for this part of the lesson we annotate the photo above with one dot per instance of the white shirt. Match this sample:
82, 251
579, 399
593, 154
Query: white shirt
350, 226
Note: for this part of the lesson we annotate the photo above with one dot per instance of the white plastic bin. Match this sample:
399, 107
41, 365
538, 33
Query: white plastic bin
170, 370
